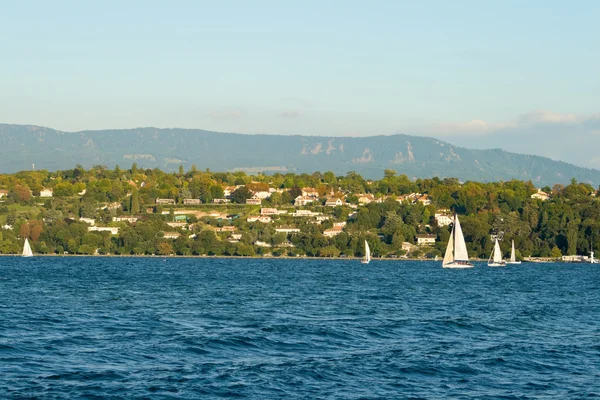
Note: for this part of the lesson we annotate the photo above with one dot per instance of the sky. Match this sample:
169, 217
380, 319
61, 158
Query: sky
474, 73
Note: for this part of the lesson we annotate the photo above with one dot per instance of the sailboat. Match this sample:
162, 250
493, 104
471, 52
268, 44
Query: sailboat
456, 253
496, 256
367, 254
513, 259
27, 249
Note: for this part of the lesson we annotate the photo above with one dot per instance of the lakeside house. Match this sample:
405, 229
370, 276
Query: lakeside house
90, 221
271, 211
254, 201
221, 201
425, 240
336, 230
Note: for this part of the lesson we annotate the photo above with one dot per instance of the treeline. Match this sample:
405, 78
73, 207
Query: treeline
567, 223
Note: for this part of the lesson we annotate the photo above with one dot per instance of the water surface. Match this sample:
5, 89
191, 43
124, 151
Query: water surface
208, 328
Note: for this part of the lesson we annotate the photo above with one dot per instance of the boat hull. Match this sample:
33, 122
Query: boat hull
496, 264
458, 265
513, 262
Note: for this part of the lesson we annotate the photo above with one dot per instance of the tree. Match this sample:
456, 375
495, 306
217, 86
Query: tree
241, 194
134, 207
164, 249
555, 253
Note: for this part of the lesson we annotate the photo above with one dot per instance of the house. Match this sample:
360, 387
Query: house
334, 201
113, 206
310, 192
192, 201
425, 240
287, 229
122, 219
90, 221
261, 244
228, 228
182, 225
366, 198
236, 236
254, 201
228, 190
443, 219
541, 195
3, 193
303, 200
46, 192
406, 246
165, 201
336, 230
339, 224
171, 235
112, 229
221, 201
305, 213
265, 219
262, 194
424, 199
268, 211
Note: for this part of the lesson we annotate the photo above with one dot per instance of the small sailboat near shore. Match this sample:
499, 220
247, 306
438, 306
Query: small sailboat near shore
495, 259
456, 253
367, 258
513, 258
27, 249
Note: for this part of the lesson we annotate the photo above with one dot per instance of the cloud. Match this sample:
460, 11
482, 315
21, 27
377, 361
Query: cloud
528, 120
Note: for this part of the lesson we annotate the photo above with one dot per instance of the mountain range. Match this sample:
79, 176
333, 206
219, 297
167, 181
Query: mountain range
418, 157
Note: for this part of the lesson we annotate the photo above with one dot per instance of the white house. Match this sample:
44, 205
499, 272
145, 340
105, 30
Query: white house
265, 219
334, 201
46, 192
122, 219
425, 240
303, 200
443, 219
171, 235
254, 201
3, 193
336, 230
112, 229
287, 229
165, 201
90, 221
310, 192
541, 195
192, 201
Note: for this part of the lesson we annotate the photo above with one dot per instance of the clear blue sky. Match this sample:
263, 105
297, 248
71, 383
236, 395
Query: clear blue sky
304, 67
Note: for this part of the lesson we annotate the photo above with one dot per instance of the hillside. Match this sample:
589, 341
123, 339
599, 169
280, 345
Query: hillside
24, 145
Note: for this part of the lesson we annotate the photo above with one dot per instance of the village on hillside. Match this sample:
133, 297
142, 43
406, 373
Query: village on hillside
150, 212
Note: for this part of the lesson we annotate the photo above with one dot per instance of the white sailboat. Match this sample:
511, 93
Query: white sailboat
27, 249
456, 253
513, 258
495, 259
367, 254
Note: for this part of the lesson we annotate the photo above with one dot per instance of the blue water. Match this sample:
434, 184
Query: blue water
296, 329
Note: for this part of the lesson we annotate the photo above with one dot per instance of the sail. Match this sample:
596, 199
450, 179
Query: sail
449, 256
497, 253
460, 248
27, 249
512, 253
367, 252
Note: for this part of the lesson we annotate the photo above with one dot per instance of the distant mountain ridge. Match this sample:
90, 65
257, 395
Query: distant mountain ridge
418, 157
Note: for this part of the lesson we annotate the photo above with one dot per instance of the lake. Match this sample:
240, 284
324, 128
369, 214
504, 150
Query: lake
183, 328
